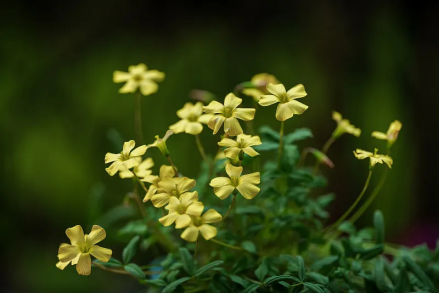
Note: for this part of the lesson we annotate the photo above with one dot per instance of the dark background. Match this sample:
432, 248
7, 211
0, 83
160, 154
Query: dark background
373, 62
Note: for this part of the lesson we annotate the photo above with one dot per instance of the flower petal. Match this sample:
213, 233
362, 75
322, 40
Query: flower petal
233, 171
232, 153
62, 265
137, 69
232, 127
297, 107
179, 127
173, 204
109, 157
248, 190
186, 184
148, 87
283, 112
252, 178
195, 209
360, 154
160, 199
76, 235
379, 135
67, 252
127, 147
169, 219
267, 100
211, 216
101, 253
133, 162
193, 128
166, 171
336, 116
245, 114
190, 234
208, 231
219, 181
254, 140
140, 151
223, 192
151, 191
120, 76
231, 101
182, 221
129, 87
215, 123
113, 168
276, 89
250, 151
154, 75
84, 264
296, 92
214, 107
205, 118
96, 235
388, 160
227, 142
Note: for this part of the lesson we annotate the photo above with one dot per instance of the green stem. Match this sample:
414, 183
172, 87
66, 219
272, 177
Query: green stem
122, 272
138, 118
346, 214
366, 204
200, 147
140, 182
281, 141
325, 149
226, 245
168, 157
230, 207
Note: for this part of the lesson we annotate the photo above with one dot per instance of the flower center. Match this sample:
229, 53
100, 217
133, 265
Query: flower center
137, 77
235, 181
228, 112
197, 221
124, 157
176, 192
193, 118
283, 98
84, 248
181, 209
241, 143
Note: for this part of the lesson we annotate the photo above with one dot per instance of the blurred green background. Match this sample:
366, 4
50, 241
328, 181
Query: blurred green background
372, 62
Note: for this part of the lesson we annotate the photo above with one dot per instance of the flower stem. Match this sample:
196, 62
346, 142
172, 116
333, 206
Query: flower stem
230, 207
325, 149
173, 166
346, 214
138, 117
226, 245
365, 205
140, 182
200, 147
281, 141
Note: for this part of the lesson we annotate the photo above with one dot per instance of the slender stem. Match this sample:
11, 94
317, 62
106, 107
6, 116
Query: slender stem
122, 272
139, 202
138, 117
346, 214
200, 147
281, 141
230, 207
226, 245
328, 144
251, 280
140, 182
365, 205
173, 166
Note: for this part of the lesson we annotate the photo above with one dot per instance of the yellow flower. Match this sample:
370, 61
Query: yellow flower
245, 184
126, 160
169, 187
165, 172
344, 126
242, 144
191, 118
374, 157
392, 133
78, 252
140, 170
228, 114
200, 225
288, 106
161, 143
260, 81
181, 209
139, 77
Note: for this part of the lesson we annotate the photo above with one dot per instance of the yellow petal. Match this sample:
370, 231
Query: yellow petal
84, 264
96, 235
148, 163
276, 89
245, 114
215, 123
169, 184
179, 127
190, 234
129, 87
223, 192
109, 157
214, 107
126, 174
360, 154
252, 178
254, 140
207, 231
186, 184
140, 151
154, 75
195, 209
379, 135
189, 197
166, 171
127, 147
227, 142
133, 162
232, 153
388, 160
148, 87
193, 128
211, 216
231, 101
296, 92
160, 199
267, 100
233, 171
219, 181
137, 69
297, 107
113, 168
182, 221
248, 190
283, 112
250, 151
205, 118
67, 252
254, 93
186, 111
62, 265
151, 191
102, 254
169, 219
76, 235
174, 202
232, 127
336, 116
120, 76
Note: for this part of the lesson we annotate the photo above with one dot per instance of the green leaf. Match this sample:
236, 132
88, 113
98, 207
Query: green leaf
208, 267
277, 279
251, 288
372, 252
298, 134
378, 221
324, 263
238, 280
290, 156
418, 272
314, 287
137, 227
187, 260
267, 132
321, 279
262, 270
249, 246
156, 282
380, 276
171, 287
347, 227
266, 146
111, 263
130, 250
134, 270
302, 269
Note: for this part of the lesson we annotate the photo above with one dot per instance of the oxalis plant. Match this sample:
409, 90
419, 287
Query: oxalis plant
247, 223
